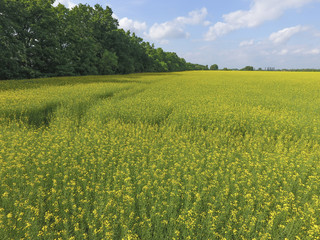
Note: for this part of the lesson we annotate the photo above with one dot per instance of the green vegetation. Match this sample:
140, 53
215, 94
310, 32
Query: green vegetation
247, 68
188, 155
39, 40
214, 67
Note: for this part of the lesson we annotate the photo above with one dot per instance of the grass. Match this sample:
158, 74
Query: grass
191, 155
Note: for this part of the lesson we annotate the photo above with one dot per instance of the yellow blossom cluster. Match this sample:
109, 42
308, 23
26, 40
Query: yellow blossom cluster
191, 155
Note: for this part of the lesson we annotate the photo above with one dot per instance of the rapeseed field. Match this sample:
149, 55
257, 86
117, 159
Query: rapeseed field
190, 155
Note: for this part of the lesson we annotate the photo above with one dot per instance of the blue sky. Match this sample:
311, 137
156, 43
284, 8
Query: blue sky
232, 33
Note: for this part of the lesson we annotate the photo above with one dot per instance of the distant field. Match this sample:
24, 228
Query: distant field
189, 155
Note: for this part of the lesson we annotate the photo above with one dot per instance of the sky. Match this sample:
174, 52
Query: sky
231, 33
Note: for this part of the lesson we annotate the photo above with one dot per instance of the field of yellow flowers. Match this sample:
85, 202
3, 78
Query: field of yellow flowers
190, 155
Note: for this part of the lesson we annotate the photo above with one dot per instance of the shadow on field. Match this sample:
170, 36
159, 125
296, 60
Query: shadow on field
35, 117
63, 81
130, 93
73, 80
42, 116
105, 95
161, 118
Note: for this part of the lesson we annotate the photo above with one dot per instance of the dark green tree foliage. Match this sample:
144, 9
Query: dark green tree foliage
214, 67
192, 66
39, 40
28, 38
247, 68
108, 63
8, 41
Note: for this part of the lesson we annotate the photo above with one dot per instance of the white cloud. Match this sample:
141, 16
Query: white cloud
284, 52
176, 28
167, 30
194, 18
316, 33
206, 23
285, 34
134, 26
315, 51
247, 43
66, 3
259, 12
303, 51
299, 52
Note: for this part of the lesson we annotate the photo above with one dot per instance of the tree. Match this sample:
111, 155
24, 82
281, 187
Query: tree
247, 68
66, 54
28, 35
108, 63
214, 67
9, 45
38, 40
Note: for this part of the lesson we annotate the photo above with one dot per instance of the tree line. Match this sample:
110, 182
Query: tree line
40, 40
